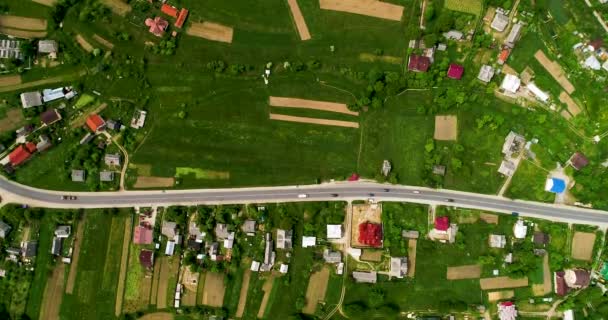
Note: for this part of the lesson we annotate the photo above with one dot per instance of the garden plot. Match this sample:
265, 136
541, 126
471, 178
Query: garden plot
582, 245
371, 255
364, 213
489, 218
84, 43
189, 280
573, 108
213, 294
22, 33
103, 42
23, 23
211, 31
118, 6
124, 259
325, 122
555, 70
167, 266
267, 288
157, 316
317, 286
368, 57
286, 102
243, 295
467, 6
446, 128
500, 295
48, 3
153, 182
411, 256
53, 293
502, 282
64, 78
69, 288
10, 80
372, 8
12, 120
472, 271
299, 20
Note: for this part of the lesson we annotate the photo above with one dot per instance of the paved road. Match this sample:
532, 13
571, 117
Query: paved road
16, 193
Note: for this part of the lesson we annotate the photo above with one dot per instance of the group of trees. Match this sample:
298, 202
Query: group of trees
381, 85
93, 10
166, 47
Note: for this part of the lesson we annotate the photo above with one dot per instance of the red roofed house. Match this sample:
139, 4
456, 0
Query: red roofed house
142, 235
370, 234
31, 147
158, 26
442, 223
146, 258
455, 71
96, 123
418, 63
353, 177
169, 10
183, 14
19, 155
503, 56
579, 161
561, 289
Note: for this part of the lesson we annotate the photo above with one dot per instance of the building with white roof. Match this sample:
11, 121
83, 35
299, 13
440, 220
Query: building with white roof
537, 92
485, 73
520, 230
308, 242
334, 231
500, 22
170, 249
569, 315
510, 83
284, 268
255, 266
592, 63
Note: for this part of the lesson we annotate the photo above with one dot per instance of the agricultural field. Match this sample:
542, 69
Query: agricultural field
466, 6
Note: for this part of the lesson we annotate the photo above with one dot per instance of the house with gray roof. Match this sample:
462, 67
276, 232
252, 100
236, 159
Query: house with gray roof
284, 239
29, 249
63, 231
365, 277
221, 231
4, 229
169, 229
106, 176
249, 227
78, 175
31, 99
112, 159
332, 256
49, 47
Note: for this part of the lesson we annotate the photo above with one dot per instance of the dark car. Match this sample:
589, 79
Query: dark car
450, 200
387, 190
335, 195
73, 197
64, 197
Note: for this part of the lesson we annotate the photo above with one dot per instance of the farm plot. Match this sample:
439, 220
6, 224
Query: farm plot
317, 286
243, 295
213, 294
69, 288
118, 6
67, 77
23, 23
556, 71
122, 276
10, 80
167, 266
411, 256
489, 218
286, 102
573, 108
211, 31
500, 295
53, 294
372, 8
547, 285
371, 255
446, 128
502, 282
267, 288
103, 42
363, 213
299, 20
467, 6
189, 280
153, 182
157, 316
472, 271
13, 119
84, 43
325, 122
582, 245
368, 57
48, 3
22, 33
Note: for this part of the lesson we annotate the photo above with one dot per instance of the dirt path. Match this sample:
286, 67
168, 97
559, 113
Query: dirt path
37, 83
411, 252
286, 102
267, 288
243, 295
299, 20
53, 294
124, 259
372, 8
325, 122
69, 288
48, 3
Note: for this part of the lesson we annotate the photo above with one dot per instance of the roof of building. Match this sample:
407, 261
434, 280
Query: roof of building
366, 277
334, 231
439, 169
283, 268
255, 266
504, 55
47, 46
453, 35
412, 234
309, 241
596, 43
31, 99
579, 160
142, 235
19, 155
500, 22
169, 10
555, 185
498, 241
442, 223
577, 278
249, 226
63, 231
569, 314
112, 159
221, 231
485, 73
157, 26
56, 246
540, 238
31, 147
146, 258
332, 256
181, 18
370, 234
510, 83
4, 229
592, 63
106, 176
561, 289
95, 122
50, 116
30, 248
514, 34
538, 93
78, 175
455, 71
418, 63
520, 229
284, 239
169, 229
398, 267
170, 248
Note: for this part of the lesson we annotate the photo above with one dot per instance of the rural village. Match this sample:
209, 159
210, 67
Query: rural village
497, 97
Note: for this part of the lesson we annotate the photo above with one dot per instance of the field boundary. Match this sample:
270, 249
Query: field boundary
103, 41
69, 288
124, 259
286, 102
325, 122
299, 20
118, 7
243, 294
86, 45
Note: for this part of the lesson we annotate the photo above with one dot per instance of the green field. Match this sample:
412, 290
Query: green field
466, 6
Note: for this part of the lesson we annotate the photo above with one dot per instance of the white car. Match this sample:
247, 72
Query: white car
416, 192
302, 195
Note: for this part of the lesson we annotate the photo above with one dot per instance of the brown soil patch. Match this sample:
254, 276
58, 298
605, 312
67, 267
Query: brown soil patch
547, 285
372, 8
506, 69
13, 119
69, 288
566, 115
84, 43
500, 295
502, 282
446, 127
213, 294
22, 33
555, 70
124, 259
37, 83
190, 283
411, 256
363, 213
53, 294
80, 121
368, 57
117, 6
472, 271
572, 106
317, 286
489, 218
144, 293
582, 245
211, 31
154, 182
371, 255
311, 104
23, 23
158, 316
336, 123
299, 20
103, 42
48, 3
243, 295
267, 288
163, 282
10, 80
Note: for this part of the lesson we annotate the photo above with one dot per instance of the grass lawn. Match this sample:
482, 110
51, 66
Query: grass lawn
233, 289
529, 184
397, 216
97, 278
43, 267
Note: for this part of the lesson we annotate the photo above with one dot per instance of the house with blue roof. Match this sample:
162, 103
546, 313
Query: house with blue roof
555, 185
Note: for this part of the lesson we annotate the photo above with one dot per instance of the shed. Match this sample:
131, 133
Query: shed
63, 231
334, 231
418, 63
540, 238
455, 71
78, 175
283, 268
170, 248
453, 35
56, 246
514, 35
44, 143
255, 266
31, 99
442, 223
579, 160
365, 277
169, 10
439, 170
